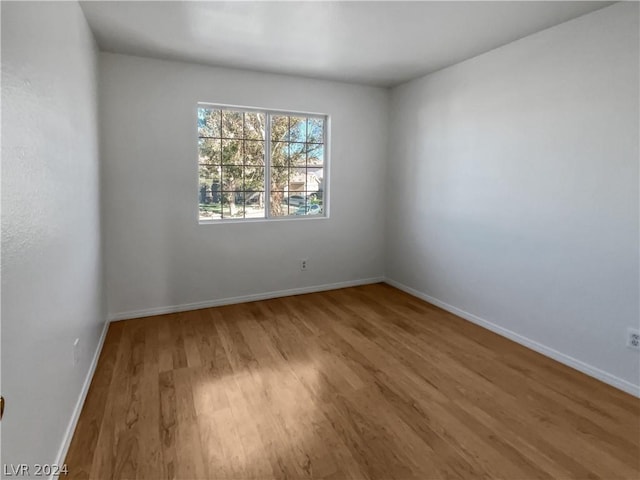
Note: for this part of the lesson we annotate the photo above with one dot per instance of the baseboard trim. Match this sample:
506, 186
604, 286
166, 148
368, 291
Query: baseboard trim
574, 363
71, 428
148, 312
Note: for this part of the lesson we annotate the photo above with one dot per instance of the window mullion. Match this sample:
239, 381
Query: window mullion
267, 166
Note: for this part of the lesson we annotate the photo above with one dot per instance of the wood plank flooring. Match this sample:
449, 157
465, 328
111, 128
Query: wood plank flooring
358, 383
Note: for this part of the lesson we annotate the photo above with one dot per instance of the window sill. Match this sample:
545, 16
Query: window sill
263, 220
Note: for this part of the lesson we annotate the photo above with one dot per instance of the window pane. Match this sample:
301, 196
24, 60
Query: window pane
297, 181
296, 201
254, 124
297, 129
279, 178
233, 205
279, 154
209, 151
315, 130
315, 182
314, 205
297, 154
208, 122
278, 206
209, 192
232, 179
316, 197
232, 152
279, 128
209, 173
254, 179
240, 198
315, 154
208, 212
312, 208
254, 205
253, 152
232, 123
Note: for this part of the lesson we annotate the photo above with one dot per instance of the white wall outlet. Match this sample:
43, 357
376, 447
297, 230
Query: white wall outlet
76, 351
633, 338
304, 264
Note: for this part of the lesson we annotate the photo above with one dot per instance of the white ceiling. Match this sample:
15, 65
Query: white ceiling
377, 43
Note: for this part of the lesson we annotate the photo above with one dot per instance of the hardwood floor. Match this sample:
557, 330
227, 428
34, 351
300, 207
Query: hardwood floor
359, 383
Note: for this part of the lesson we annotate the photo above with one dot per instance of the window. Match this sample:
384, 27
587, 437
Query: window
260, 164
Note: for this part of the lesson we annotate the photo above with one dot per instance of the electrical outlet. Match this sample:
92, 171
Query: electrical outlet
76, 351
633, 338
304, 264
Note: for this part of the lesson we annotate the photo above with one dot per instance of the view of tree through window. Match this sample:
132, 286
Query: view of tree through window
235, 180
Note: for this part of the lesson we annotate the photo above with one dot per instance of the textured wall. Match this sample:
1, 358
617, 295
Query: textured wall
51, 261
157, 255
513, 188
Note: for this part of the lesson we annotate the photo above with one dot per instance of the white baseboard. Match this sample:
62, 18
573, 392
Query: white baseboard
148, 312
71, 428
579, 365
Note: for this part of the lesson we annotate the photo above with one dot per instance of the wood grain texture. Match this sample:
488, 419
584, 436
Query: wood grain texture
358, 383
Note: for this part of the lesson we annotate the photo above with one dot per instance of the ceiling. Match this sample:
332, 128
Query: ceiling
376, 43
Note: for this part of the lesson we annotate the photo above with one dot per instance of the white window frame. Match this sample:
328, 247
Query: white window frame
267, 160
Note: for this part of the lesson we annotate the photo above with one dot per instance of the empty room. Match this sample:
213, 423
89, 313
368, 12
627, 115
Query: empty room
330, 240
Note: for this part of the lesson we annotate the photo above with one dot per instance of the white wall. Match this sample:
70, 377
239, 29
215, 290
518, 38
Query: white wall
51, 261
158, 256
513, 188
